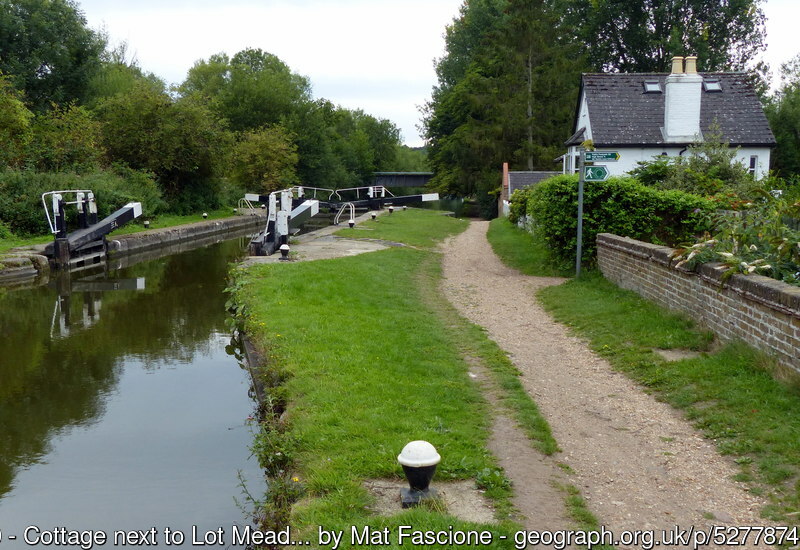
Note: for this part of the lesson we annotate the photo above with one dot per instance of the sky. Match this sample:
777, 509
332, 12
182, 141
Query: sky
374, 55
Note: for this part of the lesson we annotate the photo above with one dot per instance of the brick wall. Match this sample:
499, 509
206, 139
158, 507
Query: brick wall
763, 312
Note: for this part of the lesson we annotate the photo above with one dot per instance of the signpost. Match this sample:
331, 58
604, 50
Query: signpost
596, 172
602, 156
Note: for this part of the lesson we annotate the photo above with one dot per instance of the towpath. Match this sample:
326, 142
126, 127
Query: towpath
637, 462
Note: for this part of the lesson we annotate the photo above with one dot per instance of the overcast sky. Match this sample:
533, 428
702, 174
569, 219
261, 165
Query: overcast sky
375, 55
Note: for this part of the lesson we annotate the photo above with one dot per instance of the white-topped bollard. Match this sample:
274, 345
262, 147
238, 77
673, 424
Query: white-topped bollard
284, 252
419, 460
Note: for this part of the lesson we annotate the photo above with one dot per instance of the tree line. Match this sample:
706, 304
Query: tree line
509, 78
71, 104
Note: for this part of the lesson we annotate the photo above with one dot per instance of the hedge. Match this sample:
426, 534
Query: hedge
21, 208
622, 206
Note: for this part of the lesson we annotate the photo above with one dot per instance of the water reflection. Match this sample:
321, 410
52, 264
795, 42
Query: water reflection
89, 300
74, 387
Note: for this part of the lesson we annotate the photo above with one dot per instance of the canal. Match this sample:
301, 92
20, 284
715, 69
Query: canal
120, 409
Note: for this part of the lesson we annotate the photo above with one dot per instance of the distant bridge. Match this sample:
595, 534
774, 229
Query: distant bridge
402, 179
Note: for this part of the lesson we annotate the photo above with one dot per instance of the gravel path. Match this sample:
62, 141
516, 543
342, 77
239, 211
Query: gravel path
638, 463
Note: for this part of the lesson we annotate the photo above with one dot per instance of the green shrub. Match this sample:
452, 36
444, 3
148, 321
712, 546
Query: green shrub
622, 206
518, 205
21, 190
5, 232
764, 239
709, 168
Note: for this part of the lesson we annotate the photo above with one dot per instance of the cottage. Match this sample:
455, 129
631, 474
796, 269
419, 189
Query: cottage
644, 115
515, 180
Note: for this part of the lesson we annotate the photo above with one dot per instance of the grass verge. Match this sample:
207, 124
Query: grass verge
728, 393
415, 227
523, 251
371, 362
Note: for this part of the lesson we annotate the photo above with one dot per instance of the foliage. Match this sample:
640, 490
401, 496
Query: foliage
409, 159
15, 121
640, 37
181, 142
709, 168
783, 112
506, 92
64, 139
265, 160
117, 74
252, 89
622, 206
48, 50
20, 194
339, 147
764, 239
5, 232
518, 205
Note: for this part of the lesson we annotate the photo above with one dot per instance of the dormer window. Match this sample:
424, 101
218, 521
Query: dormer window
652, 87
712, 85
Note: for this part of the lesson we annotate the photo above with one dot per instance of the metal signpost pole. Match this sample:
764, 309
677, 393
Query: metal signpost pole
581, 164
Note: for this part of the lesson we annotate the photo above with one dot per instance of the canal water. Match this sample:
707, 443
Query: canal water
120, 409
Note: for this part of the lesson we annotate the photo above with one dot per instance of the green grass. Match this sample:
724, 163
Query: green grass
375, 357
156, 222
415, 227
523, 251
729, 395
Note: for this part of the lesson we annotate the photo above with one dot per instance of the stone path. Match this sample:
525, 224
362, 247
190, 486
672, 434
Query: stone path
638, 463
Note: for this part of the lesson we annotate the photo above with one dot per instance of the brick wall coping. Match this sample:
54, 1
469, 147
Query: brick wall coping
764, 290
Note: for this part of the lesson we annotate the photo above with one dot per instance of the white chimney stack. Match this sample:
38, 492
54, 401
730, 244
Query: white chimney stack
682, 95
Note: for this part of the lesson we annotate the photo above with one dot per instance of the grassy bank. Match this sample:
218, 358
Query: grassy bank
157, 222
727, 392
370, 357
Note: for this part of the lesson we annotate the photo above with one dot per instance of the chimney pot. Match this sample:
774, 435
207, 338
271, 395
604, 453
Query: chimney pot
691, 64
677, 65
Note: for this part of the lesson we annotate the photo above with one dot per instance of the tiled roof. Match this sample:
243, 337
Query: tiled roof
622, 114
521, 180
578, 137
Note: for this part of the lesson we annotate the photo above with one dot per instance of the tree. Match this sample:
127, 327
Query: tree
265, 160
642, 36
783, 112
251, 90
182, 142
15, 120
47, 50
507, 95
341, 148
410, 159
65, 139
117, 74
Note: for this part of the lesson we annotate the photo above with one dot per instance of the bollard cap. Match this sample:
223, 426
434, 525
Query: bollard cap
418, 454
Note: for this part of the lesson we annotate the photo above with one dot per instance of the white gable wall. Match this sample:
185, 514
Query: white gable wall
629, 157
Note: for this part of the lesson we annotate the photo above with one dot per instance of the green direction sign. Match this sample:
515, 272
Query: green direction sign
597, 172
603, 156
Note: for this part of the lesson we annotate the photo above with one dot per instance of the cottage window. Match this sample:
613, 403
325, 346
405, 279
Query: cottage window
753, 164
652, 87
712, 85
